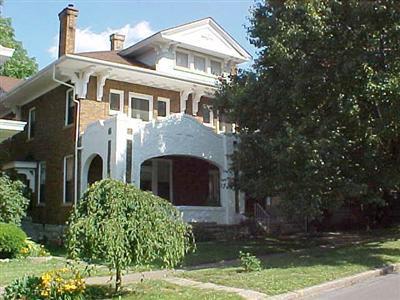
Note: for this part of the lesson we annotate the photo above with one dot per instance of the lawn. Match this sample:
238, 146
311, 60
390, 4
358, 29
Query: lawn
155, 289
291, 271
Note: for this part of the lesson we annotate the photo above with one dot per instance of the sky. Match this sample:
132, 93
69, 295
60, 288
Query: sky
36, 22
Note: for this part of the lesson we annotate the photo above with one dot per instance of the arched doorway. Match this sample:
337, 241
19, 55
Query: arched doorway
95, 172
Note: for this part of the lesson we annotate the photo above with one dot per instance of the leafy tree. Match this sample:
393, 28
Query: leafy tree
20, 65
121, 225
13, 204
319, 115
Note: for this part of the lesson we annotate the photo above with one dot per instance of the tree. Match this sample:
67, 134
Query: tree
13, 204
121, 225
20, 65
318, 116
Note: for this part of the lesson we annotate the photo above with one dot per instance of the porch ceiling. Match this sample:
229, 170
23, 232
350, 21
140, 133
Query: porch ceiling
8, 128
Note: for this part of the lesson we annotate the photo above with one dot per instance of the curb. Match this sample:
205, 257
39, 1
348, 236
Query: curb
337, 284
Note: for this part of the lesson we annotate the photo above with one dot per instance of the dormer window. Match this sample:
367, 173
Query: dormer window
199, 63
216, 68
182, 59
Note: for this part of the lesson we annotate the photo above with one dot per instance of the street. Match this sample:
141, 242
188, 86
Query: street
379, 288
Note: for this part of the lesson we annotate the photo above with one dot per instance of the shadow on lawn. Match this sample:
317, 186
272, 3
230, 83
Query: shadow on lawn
368, 254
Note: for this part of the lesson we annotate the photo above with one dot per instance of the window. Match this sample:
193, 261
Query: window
199, 63
156, 177
68, 179
216, 68
128, 168
213, 188
163, 107
141, 107
32, 123
182, 59
116, 102
69, 107
207, 114
42, 182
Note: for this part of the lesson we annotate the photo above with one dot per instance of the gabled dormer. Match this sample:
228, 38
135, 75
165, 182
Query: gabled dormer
197, 49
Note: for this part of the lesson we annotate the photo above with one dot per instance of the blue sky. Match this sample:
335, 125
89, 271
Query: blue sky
36, 21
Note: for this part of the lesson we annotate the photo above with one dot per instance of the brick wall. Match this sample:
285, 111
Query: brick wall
52, 142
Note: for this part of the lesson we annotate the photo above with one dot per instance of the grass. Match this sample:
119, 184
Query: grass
16, 268
291, 271
155, 289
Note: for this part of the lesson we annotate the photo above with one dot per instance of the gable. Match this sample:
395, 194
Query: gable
206, 37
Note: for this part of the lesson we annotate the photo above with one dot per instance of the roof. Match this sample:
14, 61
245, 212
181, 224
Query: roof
8, 83
115, 57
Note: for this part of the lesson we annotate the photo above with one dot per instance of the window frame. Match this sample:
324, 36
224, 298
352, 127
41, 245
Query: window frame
32, 109
210, 108
71, 156
188, 56
216, 61
67, 107
205, 63
121, 102
167, 106
147, 97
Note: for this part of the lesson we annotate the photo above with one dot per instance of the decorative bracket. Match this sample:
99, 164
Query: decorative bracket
80, 79
101, 80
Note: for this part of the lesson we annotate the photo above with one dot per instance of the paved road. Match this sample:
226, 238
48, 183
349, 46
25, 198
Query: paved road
379, 288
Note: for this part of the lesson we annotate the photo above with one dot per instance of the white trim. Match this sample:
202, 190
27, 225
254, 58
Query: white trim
64, 178
121, 102
30, 121
143, 97
167, 106
67, 106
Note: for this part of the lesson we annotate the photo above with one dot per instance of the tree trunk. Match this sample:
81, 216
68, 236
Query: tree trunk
118, 279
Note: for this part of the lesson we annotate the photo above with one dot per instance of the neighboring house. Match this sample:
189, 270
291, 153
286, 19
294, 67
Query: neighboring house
140, 114
8, 128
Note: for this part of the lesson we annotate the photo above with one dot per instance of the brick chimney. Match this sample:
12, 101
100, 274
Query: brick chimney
117, 41
66, 41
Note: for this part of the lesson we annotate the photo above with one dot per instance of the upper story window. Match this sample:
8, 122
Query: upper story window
199, 63
141, 106
163, 108
116, 102
216, 68
182, 59
32, 123
69, 107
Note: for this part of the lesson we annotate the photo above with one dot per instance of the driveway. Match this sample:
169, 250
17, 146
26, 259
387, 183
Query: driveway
383, 288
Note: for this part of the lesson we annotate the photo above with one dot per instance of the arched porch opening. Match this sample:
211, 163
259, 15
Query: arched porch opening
183, 180
95, 171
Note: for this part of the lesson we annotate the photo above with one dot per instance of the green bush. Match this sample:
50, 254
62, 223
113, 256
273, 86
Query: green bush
26, 287
12, 240
13, 204
121, 225
248, 262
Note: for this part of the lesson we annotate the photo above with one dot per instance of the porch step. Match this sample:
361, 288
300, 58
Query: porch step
213, 231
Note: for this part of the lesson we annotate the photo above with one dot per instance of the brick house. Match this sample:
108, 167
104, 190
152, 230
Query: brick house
140, 114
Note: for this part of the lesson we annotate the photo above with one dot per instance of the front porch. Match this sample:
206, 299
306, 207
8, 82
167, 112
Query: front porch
176, 158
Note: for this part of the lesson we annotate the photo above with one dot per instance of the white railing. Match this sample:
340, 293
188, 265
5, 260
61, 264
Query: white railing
262, 216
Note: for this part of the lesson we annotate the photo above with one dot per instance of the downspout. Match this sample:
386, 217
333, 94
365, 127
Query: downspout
76, 133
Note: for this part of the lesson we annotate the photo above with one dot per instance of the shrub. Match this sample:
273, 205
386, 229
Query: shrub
12, 240
249, 262
121, 225
32, 249
26, 287
63, 284
13, 204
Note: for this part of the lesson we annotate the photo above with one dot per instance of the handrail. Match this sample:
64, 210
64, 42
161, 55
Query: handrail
260, 214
